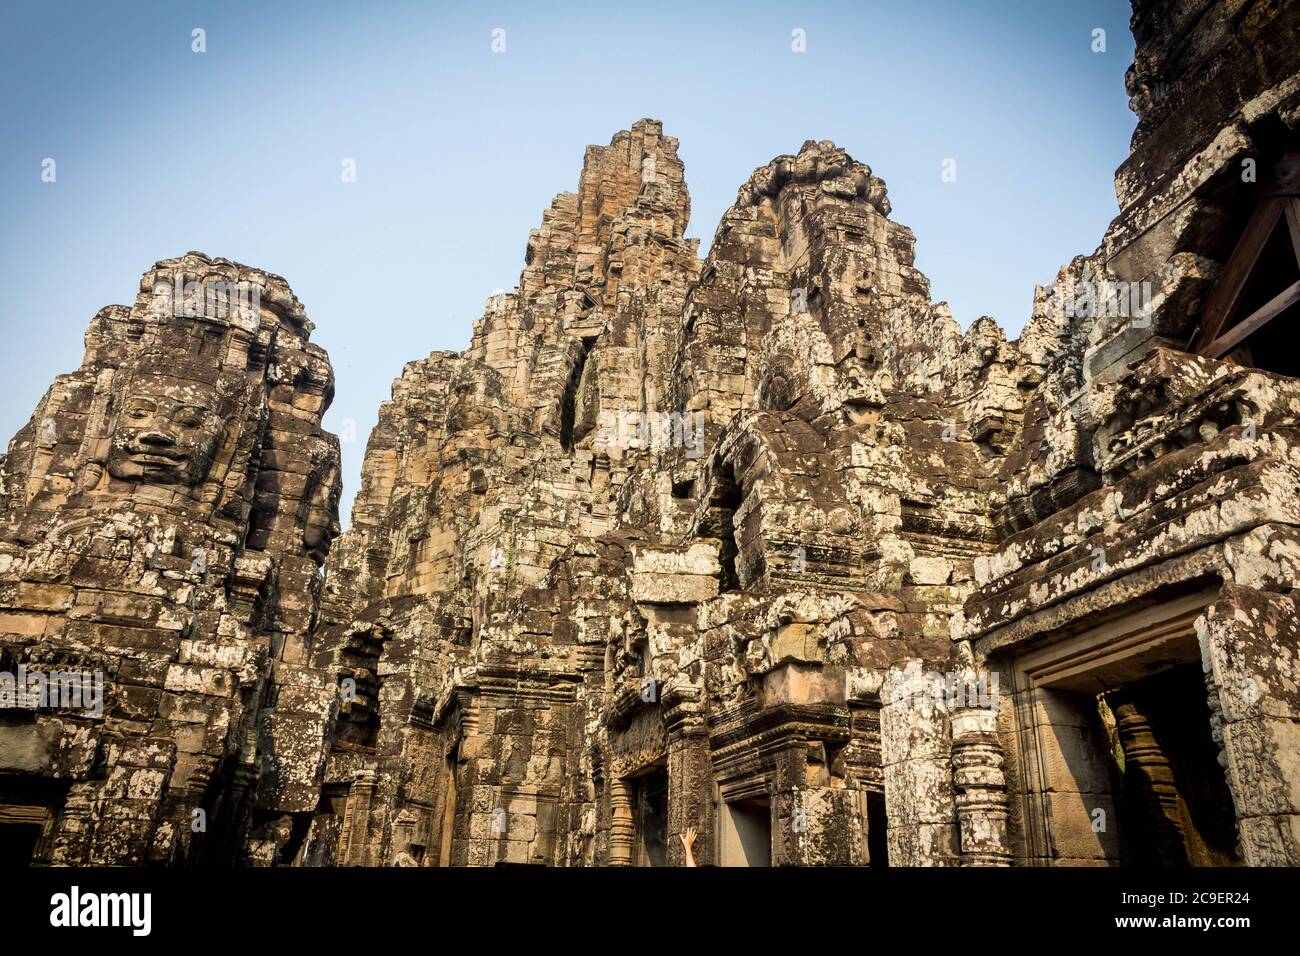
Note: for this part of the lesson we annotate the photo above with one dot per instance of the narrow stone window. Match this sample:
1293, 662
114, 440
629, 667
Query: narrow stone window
569, 402
877, 829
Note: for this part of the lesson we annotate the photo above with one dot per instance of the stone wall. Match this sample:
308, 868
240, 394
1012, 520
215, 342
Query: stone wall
759, 546
1150, 504
652, 546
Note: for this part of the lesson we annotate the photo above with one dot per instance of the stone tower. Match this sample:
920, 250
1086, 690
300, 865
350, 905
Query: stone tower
163, 519
761, 547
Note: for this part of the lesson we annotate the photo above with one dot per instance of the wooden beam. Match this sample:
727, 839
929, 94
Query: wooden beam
23, 815
1226, 294
1293, 225
1254, 322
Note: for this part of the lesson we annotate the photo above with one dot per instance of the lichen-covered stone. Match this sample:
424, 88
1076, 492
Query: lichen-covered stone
760, 546
162, 521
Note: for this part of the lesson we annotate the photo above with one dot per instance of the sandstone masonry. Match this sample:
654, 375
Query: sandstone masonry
760, 546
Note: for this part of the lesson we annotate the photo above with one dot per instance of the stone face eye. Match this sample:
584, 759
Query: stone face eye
139, 408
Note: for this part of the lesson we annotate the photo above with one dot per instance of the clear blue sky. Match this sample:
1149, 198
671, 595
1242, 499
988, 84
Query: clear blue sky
238, 151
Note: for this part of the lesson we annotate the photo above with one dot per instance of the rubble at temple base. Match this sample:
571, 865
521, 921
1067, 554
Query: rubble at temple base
759, 546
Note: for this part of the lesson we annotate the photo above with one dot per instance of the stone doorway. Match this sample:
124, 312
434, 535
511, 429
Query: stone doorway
1173, 804
1113, 730
20, 832
747, 833
28, 812
650, 817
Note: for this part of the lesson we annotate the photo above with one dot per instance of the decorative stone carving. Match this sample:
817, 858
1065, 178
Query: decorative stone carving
694, 544
162, 518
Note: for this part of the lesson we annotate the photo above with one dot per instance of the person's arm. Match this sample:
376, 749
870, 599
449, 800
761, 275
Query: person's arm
688, 841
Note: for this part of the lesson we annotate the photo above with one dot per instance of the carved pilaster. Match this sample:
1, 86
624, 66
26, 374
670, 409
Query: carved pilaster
980, 788
74, 829
354, 849
690, 803
1216, 716
622, 830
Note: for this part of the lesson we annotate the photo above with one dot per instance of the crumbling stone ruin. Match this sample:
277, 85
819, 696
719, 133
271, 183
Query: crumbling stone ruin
760, 546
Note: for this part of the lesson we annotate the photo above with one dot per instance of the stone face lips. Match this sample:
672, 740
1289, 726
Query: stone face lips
162, 521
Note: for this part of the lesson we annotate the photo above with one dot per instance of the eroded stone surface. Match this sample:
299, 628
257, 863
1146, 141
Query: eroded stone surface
162, 521
831, 514
760, 545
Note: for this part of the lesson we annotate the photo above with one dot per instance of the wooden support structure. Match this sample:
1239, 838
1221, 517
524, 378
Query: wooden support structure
1222, 331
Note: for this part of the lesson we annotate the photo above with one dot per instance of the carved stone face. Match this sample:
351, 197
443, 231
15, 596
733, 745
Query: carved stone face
167, 432
322, 524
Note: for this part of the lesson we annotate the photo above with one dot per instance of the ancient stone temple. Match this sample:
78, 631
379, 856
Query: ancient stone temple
642, 558
1140, 602
163, 518
760, 547
767, 548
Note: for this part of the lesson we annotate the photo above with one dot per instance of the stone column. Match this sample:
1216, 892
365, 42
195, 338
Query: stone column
915, 752
690, 776
622, 828
980, 788
1148, 772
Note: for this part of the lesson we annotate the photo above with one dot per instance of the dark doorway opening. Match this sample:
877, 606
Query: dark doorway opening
877, 835
1173, 802
18, 843
650, 814
29, 810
